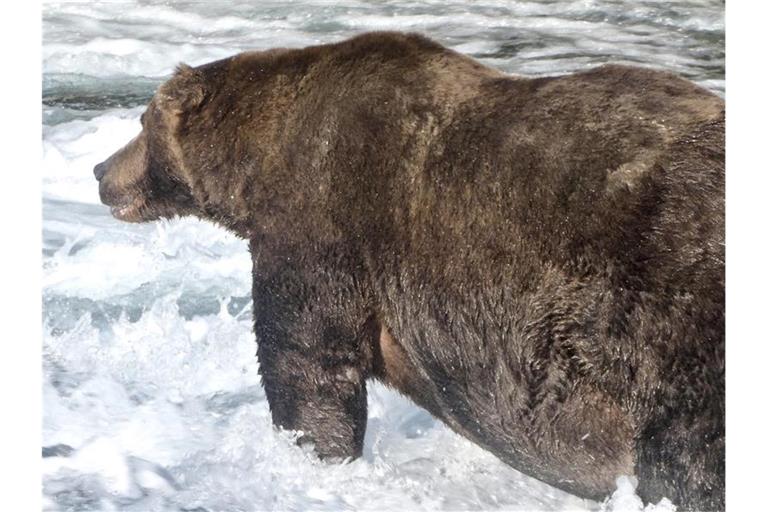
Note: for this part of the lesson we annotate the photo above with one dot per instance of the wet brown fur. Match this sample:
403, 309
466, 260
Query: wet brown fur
538, 262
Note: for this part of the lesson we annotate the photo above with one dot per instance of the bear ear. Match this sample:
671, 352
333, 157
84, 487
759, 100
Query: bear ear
184, 92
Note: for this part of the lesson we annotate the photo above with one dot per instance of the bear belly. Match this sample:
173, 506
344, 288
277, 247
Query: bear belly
582, 447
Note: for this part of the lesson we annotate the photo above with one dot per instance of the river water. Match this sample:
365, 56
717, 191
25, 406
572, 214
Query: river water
151, 394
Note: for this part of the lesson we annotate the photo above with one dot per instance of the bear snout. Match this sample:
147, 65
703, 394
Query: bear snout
107, 194
110, 192
99, 170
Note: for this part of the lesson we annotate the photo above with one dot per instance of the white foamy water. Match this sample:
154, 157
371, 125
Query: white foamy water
151, 393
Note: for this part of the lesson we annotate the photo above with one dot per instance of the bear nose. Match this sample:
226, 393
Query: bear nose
99, 171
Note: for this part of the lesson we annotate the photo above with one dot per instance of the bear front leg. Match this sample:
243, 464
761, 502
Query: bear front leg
682, 457
311, 327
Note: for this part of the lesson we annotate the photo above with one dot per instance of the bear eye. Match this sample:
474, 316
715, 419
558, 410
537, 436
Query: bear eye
141, 119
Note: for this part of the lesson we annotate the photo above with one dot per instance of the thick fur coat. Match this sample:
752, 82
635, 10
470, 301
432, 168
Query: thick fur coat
538, 262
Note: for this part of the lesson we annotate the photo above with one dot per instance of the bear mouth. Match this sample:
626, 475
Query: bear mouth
128, 212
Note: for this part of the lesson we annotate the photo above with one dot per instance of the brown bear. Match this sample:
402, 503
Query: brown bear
538, 262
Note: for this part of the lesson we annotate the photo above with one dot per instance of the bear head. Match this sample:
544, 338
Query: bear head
147, 178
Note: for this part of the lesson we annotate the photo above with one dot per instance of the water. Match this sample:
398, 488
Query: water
150, 388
